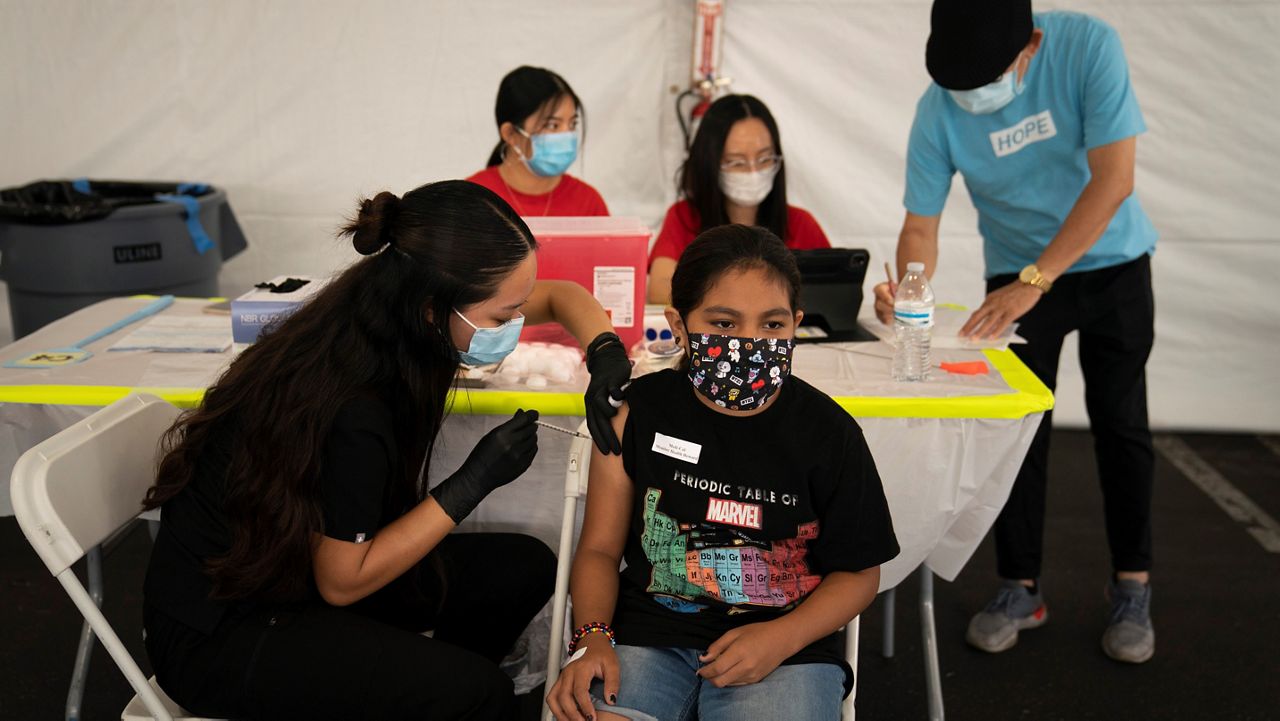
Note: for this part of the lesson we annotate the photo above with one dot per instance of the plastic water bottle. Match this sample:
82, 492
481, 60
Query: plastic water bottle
913, 325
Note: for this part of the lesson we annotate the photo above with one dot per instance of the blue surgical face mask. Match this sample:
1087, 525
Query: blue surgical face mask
992, 96
553, 153
491, 345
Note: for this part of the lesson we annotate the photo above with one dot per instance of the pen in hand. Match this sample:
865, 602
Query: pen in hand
888, 274
884, 296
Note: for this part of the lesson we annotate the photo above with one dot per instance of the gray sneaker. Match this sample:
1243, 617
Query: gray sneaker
1130, 637
1014, 609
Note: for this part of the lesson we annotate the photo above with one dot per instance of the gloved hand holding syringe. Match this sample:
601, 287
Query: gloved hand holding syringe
615, 402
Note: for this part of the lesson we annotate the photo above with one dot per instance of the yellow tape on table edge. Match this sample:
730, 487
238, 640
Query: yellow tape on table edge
95, 395
1029, 396
462, 401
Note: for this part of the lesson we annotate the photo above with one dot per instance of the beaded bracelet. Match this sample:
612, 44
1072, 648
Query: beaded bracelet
590, 628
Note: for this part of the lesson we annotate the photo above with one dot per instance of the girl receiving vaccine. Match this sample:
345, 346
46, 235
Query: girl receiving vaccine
746, 506
734, 174
539, 133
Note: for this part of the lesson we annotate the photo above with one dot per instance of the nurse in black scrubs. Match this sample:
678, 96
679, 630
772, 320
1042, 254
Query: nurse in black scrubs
300, 554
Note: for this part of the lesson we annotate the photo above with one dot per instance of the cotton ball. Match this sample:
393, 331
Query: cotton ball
561, 373
536, 382
570, 355
510, 372
553, 362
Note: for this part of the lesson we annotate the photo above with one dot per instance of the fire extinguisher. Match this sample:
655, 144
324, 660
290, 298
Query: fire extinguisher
708, 34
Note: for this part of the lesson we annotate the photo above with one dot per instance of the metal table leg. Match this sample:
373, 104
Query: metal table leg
933, 677
890, 599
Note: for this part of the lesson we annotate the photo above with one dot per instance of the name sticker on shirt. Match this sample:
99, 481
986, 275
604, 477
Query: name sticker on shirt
1031, 129
676, 448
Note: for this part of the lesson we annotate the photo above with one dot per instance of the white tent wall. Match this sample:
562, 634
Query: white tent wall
298, 108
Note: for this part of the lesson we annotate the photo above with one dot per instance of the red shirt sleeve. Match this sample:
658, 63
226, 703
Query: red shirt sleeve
803, 231
679, 229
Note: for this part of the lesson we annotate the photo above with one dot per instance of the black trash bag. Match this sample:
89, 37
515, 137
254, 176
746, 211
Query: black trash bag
54, 202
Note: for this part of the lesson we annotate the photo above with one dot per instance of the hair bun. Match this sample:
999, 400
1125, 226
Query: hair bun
374, 225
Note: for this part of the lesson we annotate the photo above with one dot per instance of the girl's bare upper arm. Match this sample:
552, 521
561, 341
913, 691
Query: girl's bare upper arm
608, 513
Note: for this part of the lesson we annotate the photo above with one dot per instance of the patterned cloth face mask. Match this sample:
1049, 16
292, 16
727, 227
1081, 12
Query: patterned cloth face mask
739, 374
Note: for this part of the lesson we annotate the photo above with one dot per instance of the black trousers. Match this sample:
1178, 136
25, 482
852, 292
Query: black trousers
1114, 312
369, 661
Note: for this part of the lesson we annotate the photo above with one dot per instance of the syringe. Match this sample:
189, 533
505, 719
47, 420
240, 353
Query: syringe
544, 424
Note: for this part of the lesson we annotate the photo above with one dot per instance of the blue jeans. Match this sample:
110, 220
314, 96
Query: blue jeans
661, 684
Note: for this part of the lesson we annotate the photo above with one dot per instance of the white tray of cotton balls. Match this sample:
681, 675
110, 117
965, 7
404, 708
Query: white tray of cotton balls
535, 366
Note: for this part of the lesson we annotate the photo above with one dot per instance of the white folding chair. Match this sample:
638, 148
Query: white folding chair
577, 472
847, 711
76, 490
575, 486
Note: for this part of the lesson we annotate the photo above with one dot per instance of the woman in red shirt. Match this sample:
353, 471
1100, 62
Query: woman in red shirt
538, 116
733, 174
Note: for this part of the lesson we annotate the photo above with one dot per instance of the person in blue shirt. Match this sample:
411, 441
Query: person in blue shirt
1036, 112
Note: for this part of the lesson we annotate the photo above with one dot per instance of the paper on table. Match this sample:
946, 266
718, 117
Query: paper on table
179, 334
947, 322
886, 351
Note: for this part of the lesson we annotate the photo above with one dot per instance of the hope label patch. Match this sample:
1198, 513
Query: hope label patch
1031, 129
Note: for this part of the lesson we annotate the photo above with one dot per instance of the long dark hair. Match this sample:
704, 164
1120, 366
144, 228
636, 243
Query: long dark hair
700, 174
367, 332
729, 248
525, 91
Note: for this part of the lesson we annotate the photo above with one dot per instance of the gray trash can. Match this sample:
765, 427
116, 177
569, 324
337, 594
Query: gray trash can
55, 267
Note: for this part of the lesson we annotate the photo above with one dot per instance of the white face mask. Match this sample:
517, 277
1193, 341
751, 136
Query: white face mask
750, 188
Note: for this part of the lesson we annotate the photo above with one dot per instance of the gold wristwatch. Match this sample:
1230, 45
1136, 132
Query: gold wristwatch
1031, 276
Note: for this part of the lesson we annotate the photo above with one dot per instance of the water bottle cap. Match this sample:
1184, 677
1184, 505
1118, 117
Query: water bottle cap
915, 267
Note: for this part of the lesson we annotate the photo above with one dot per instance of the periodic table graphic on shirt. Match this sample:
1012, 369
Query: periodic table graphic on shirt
707, 560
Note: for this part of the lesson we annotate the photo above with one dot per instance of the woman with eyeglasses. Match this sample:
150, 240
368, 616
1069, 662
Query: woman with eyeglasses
734, 174
540, 128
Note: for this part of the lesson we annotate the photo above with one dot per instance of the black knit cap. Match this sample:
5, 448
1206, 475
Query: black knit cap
972, 42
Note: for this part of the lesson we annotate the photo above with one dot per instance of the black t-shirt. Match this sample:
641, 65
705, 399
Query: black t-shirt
360, 482
736, 519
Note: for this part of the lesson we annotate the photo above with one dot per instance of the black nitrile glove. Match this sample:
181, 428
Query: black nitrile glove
610, 373
498, 459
